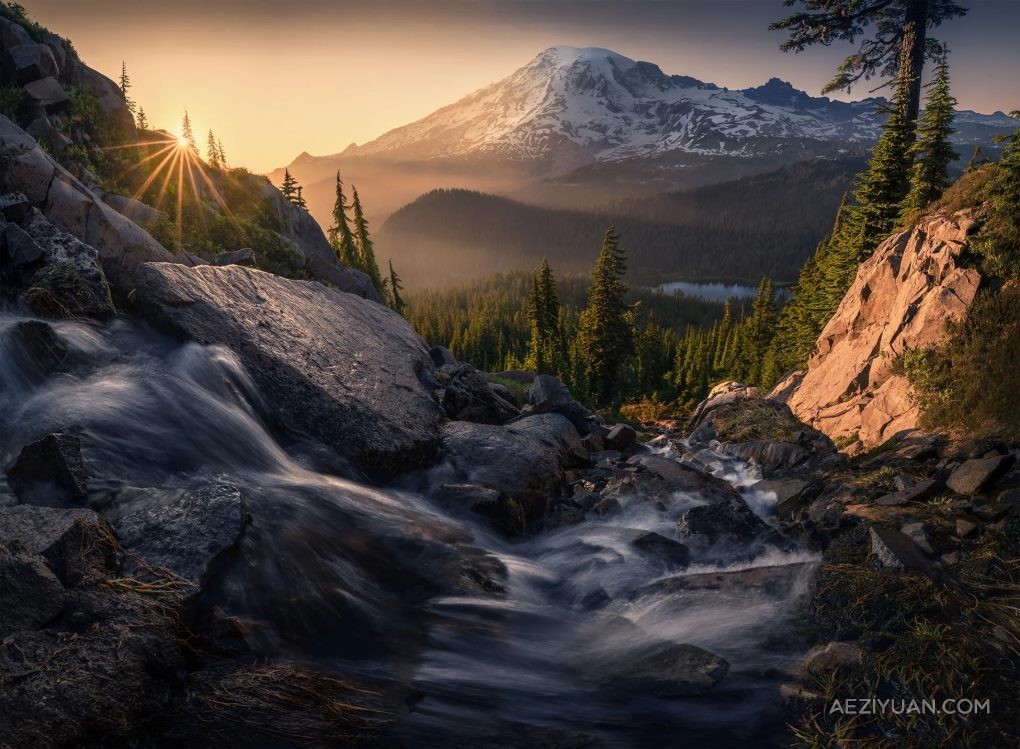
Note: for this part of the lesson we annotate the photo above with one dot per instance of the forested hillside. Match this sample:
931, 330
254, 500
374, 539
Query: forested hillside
766, 225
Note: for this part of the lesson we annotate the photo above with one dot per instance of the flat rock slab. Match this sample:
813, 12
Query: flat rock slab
188, 536
777, 580
975, 475
331, 365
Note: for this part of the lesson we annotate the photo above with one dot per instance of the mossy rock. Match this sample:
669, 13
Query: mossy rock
60, 291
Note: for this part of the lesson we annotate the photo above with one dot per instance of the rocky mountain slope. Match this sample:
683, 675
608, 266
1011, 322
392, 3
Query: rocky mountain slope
900, 301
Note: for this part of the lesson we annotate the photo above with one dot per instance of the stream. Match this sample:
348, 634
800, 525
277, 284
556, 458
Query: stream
346, 576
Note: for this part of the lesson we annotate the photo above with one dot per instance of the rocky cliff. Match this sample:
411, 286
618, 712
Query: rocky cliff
901, 299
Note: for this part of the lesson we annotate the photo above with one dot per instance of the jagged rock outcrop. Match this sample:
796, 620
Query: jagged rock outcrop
900, 301
331, 365
122, 245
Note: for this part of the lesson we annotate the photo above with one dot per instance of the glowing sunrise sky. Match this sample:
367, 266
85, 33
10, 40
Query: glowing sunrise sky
277, 78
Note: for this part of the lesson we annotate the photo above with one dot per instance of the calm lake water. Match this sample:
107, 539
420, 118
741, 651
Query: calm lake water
713, 292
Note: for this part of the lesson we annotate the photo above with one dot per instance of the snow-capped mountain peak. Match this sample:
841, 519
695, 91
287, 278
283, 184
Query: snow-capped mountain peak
575, 105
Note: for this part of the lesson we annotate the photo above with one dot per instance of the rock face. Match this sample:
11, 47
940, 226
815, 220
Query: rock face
900, 301
122, 245
330, 365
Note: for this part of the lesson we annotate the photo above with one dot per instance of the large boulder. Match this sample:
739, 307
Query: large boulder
30, 594
657, 478
76, 543
548, 395
900, 301
50, 471
331, 365
110, 97
25, 63
122, 245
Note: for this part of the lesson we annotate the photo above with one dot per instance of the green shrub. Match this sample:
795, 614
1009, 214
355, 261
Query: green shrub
12, 101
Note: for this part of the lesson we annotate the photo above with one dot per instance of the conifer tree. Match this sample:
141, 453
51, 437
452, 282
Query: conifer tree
187, 133
289, 186
142, 120
299, 199
543, 316
363, 242
125, 85
220, 156
604, 333
212, 153
932, 151
395, 287
341, 238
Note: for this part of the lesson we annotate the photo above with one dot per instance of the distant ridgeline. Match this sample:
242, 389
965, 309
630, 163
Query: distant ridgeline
766, 225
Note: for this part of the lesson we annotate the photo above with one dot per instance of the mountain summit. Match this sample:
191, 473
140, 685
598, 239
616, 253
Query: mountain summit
575, 105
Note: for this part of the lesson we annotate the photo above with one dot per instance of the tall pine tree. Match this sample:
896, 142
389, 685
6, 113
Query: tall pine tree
363, 242
341, 238
289, 186
141, 120
188, 134
125, 85
212, 153
544, 346
932, 151
395, 287
604, 334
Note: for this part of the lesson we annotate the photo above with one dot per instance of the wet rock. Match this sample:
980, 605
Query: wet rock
665, 551
823, 659
75, 543
976, 474
442, 356
774, 581
244, 256
469, 397
50, 471
188, 537
731, 522
340, 368
556, 431
472, 496
620, 437
665, 670
657, 478
31, 596
791, 493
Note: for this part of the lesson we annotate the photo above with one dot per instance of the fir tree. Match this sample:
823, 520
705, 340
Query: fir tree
187, 133
142, 120
289, 186
976, 159
932, 151
604, 334
543, 317
363, 242
212, 153
125, 85
220, 155
341, 238
395, 287
299, 199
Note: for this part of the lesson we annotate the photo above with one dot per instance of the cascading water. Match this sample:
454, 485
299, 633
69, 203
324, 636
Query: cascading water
365, 580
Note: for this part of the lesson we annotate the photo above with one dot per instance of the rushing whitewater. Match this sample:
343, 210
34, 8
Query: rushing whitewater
370, 581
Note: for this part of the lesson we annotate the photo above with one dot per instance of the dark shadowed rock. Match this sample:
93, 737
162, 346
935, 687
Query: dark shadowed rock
666, 551
14, 206
334, 366
29, 62
188, 537
823, 659
442, 356
48, 94
30, 594
773, 581
731, 522
20, 249
654, 477
548, 395
665, 669
467, 396
50, 471
75, 543
975, 475
893, 550
620, 437
244, 256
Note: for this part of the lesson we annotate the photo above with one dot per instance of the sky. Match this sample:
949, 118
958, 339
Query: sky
273, 79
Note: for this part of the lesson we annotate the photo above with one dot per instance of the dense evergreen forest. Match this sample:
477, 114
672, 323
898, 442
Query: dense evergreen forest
766, 225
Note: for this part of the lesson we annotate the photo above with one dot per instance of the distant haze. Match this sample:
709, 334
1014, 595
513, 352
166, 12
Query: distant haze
277, 78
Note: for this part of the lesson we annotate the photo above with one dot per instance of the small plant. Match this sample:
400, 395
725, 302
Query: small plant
12, 100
